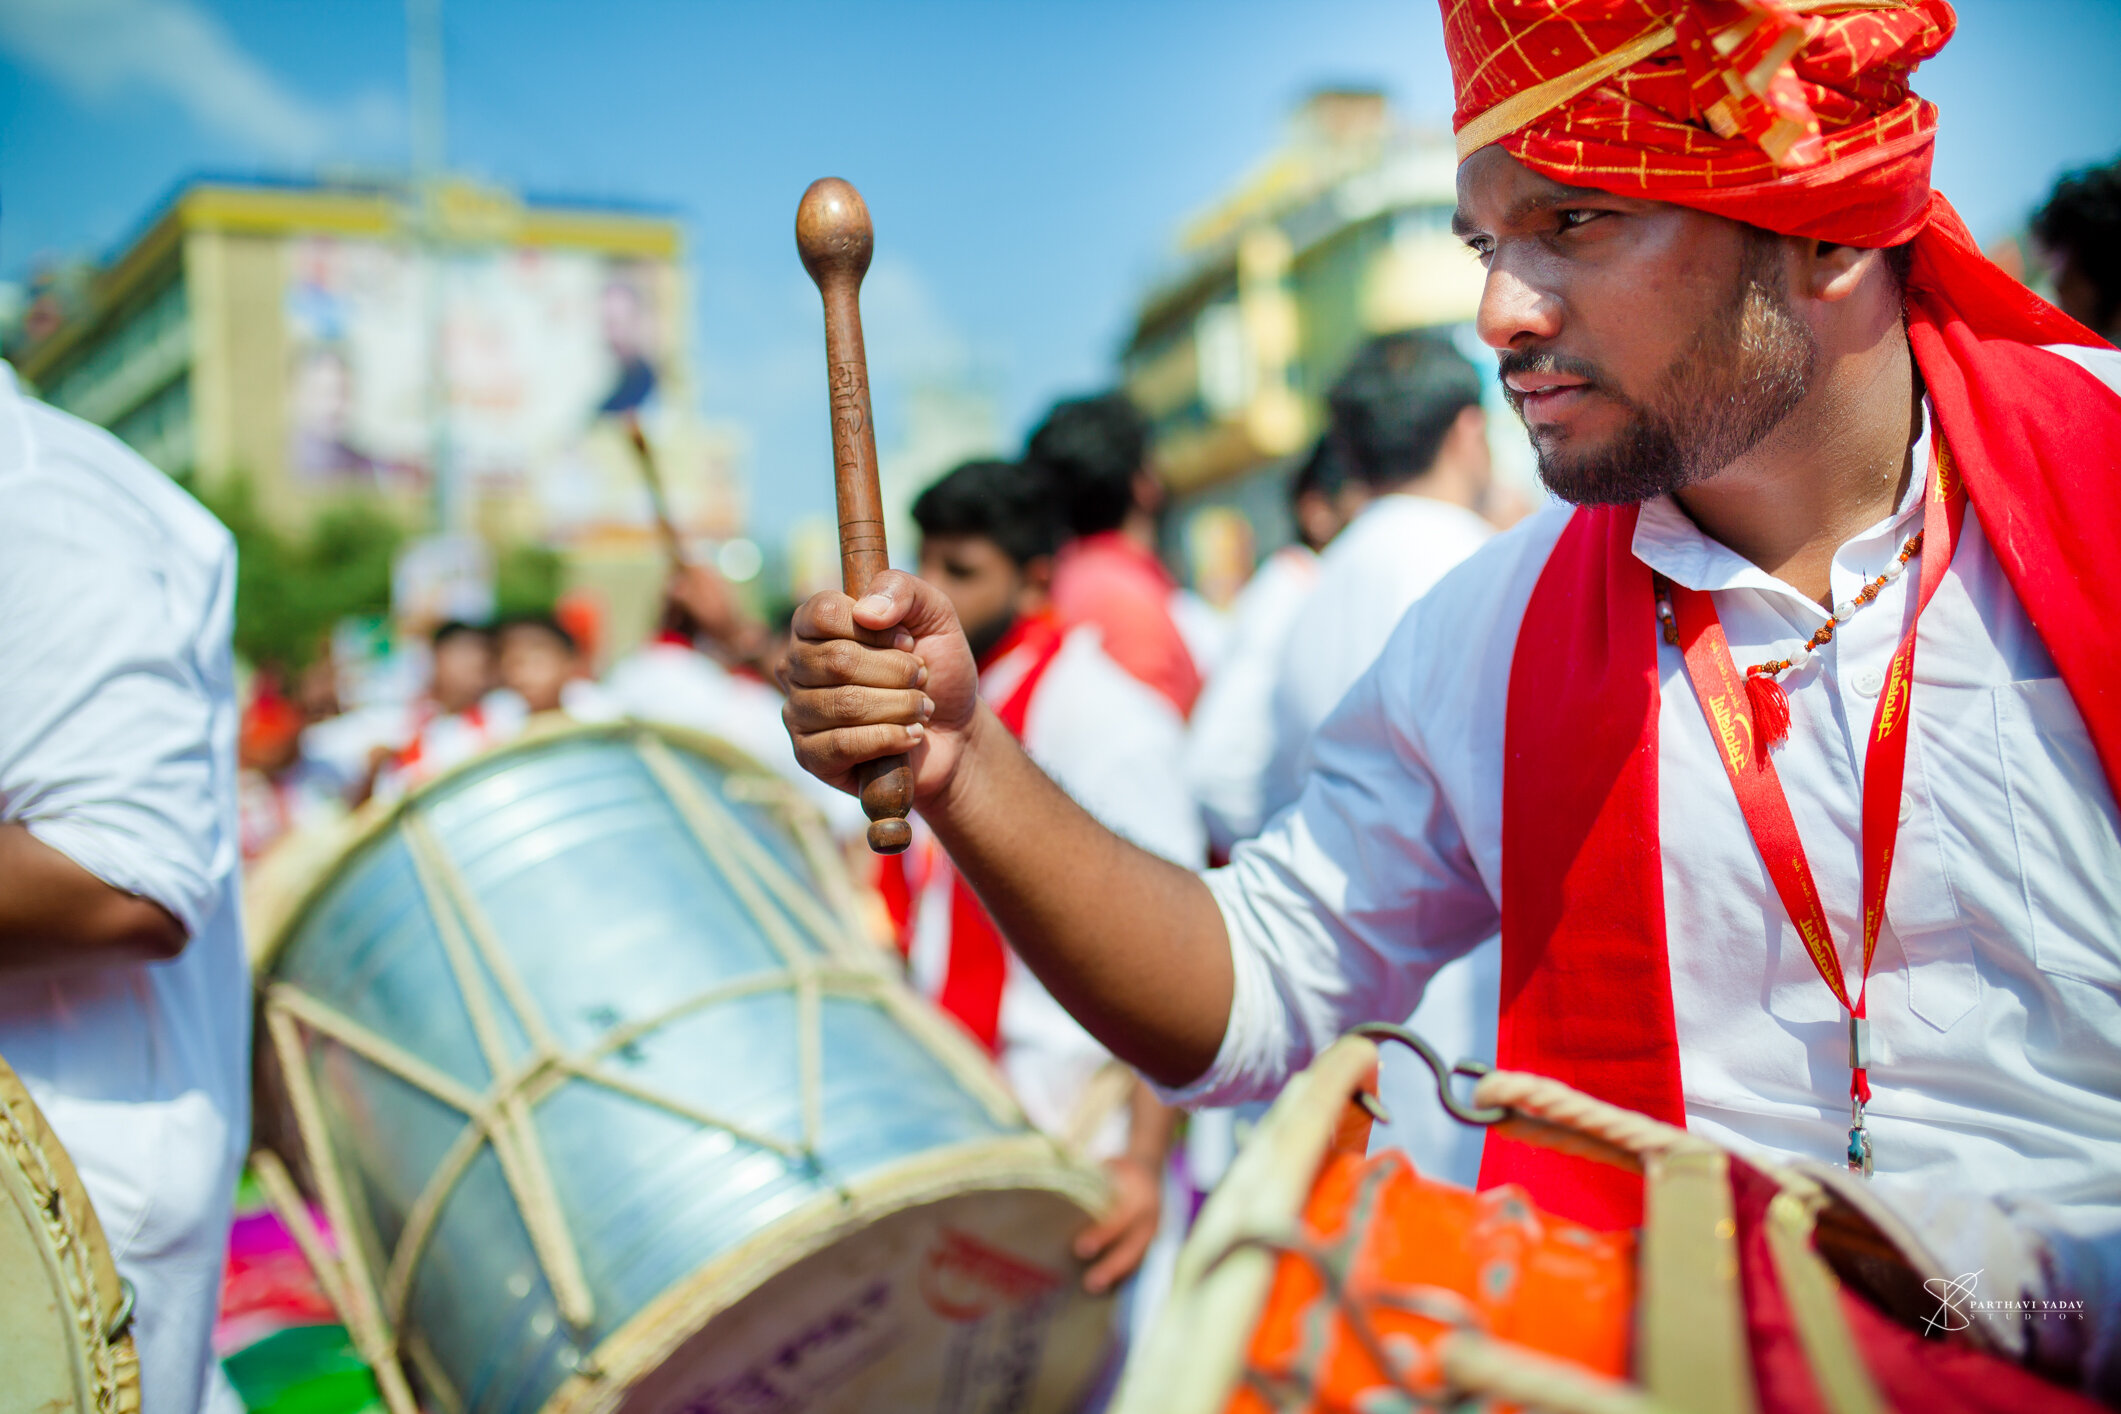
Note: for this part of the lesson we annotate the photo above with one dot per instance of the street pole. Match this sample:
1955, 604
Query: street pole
424, 75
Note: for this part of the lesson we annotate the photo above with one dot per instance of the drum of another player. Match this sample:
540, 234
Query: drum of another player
65, 1343
610, 1108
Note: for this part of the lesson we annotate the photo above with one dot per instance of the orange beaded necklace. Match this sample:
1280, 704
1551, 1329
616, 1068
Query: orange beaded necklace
1770, 703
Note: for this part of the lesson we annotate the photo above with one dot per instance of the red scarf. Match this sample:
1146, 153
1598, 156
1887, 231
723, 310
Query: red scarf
1586, 988
978, 965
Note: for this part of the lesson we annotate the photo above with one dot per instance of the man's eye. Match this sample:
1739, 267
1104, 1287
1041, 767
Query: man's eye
1577, 217
1481, 247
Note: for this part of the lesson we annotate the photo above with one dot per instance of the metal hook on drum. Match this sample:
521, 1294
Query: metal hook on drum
1480, 1115
123, 1320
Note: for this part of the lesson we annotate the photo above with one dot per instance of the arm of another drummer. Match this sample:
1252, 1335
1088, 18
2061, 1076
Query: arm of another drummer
1131, 945
117, 710
1115, 1244
53, 911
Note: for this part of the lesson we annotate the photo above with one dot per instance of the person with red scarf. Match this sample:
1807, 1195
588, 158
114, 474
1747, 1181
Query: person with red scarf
989, 530
1784, 758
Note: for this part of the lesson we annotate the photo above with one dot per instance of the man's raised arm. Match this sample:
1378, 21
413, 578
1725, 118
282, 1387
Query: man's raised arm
1132, 945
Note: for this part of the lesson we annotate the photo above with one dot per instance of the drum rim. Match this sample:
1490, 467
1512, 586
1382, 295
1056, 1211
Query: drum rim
1030, 1162
75, 1244
1194, 1354
281, 898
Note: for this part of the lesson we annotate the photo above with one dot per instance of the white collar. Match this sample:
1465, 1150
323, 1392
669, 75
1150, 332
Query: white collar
1670, 543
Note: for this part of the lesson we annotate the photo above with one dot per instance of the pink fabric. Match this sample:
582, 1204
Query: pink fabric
1110, 581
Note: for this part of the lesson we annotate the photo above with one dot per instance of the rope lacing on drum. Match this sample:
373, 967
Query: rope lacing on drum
803, 932
99, 1332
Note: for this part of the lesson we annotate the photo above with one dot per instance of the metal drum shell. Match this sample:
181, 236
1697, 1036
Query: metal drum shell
962, 1154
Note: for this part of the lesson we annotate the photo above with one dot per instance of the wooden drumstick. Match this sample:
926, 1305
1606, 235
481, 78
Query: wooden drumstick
833, 236
658, 504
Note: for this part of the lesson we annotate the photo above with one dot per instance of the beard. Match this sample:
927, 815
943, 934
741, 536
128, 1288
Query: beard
983, 637
1747, 367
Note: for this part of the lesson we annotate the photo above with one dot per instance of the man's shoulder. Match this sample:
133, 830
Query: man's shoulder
2102, 364
1472, 612
1086, 680
1395, 545
75, 478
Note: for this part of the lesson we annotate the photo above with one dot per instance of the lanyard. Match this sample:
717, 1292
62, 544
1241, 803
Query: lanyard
1720, 689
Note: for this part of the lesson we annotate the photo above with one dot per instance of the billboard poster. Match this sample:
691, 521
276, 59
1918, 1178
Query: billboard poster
540, 354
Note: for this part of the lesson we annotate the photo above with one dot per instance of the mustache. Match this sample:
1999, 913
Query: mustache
1540, 361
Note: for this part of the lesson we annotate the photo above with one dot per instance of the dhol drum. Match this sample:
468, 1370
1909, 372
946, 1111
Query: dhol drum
1319, 1280
65, 1346
610, 1109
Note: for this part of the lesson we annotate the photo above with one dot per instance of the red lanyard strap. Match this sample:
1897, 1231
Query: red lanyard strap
1720, 689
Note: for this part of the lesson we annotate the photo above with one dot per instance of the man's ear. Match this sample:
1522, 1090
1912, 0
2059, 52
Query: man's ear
1834, 272
1148, 491
1034, 589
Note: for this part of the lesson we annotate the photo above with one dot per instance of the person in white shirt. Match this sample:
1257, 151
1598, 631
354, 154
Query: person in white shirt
460, 715
539, 665
1754, 422
1230, 739
673, 678
124, 992
1406, 421
989, 531
1406, 418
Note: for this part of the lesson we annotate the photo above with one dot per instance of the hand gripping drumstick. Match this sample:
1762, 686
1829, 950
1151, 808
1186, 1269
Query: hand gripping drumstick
833, 236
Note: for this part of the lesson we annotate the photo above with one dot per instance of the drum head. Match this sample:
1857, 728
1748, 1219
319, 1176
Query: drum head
969, 1303
59, 1292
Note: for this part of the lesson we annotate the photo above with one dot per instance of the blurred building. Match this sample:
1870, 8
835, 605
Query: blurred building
465, 357
1342, 232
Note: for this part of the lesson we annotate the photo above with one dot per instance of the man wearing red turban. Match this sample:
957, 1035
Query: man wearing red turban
1789, 782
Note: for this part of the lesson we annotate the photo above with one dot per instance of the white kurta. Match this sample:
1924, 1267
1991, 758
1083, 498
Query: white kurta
117, 748
1995, 998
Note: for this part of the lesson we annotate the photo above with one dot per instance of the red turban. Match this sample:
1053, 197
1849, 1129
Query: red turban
1796, 116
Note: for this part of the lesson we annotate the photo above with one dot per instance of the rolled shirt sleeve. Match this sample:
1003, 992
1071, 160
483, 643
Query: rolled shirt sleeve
1388, 864
110, 755
1352, 899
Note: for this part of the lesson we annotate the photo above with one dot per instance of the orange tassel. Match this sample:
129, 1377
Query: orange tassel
1771, 711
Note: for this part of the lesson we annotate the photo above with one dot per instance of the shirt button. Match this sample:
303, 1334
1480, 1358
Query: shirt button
1867, 681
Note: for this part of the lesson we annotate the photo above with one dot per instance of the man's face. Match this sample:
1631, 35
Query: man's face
463, 671
536, 666
1645, 345
984, 584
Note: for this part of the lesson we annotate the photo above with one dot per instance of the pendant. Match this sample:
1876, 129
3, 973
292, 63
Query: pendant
1859, 1064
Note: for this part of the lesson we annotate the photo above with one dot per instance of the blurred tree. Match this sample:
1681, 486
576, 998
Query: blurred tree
290, 590
526, 580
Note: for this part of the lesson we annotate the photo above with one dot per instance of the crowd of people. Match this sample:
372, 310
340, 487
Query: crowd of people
1179, 726
1518, 783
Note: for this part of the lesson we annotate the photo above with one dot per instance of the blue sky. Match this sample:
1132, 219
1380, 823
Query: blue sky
1026, 161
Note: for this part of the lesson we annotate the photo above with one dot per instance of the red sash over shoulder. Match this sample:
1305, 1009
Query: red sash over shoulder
1586, 987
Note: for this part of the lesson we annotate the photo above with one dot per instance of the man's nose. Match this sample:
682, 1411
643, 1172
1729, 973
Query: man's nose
1513, 308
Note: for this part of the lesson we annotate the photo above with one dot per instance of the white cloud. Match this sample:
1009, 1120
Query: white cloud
101, 50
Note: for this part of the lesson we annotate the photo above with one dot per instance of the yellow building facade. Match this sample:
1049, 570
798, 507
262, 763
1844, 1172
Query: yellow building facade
464, 357
1341, 233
